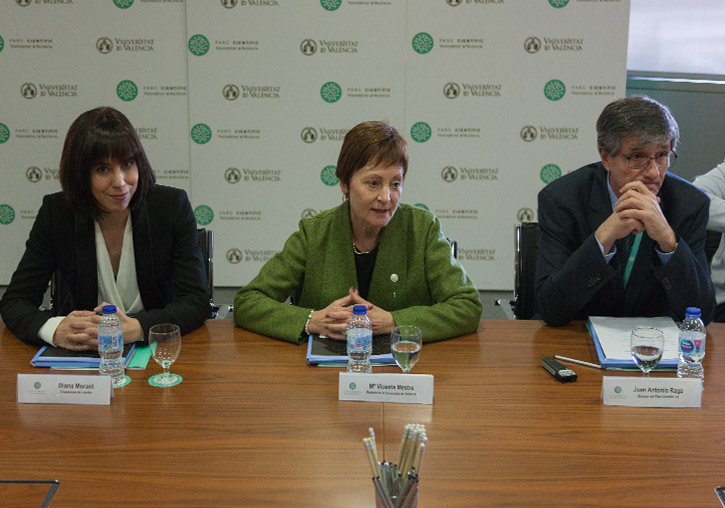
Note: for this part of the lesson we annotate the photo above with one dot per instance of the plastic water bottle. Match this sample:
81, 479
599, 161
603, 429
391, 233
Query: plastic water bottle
359, 340
110, 345
691, 345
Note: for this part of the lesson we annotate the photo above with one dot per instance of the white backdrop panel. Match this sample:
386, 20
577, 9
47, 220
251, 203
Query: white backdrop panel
244, 103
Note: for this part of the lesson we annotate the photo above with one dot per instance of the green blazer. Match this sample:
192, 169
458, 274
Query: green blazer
415, 277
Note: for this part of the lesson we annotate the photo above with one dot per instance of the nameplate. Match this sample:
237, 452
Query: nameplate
651, 392
64, 389
402, 388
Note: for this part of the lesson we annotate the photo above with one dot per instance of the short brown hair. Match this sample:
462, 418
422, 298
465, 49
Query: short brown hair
96, 136
371, 142
637, 116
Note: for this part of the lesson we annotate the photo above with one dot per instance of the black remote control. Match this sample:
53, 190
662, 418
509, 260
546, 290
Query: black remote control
557, 370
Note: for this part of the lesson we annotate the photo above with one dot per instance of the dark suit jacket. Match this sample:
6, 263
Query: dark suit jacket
169, 267
573, 281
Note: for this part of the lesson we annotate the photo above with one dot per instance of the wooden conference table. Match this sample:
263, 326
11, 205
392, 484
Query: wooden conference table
252, 425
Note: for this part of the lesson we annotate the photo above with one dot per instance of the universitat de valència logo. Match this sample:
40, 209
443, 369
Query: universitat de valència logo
450, 174
456, 3
235, 256
50, 90
232, 92
453, 90
230, 4
309, 47
106, 45
534, 44
311, 134
530, 133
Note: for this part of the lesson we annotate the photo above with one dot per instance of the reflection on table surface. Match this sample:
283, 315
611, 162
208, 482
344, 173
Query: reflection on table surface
253, 425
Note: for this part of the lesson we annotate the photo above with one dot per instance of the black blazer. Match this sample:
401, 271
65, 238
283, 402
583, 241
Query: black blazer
573, 281
169, 267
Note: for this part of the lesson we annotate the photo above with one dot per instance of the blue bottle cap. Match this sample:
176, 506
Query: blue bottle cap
360, 310
109, 309
692, 312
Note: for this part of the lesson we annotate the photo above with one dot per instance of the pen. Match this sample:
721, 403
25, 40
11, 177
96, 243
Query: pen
578, 362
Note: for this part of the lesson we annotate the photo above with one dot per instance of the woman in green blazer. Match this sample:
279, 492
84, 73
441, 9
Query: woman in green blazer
369, 250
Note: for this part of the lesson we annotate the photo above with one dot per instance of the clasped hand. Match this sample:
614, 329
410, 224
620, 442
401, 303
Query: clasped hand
79, 330
637, 210
332, 320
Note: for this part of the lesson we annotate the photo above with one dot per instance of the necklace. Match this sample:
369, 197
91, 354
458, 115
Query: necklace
358, 251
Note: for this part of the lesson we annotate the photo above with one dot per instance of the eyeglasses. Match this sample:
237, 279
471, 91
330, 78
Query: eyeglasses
638, 161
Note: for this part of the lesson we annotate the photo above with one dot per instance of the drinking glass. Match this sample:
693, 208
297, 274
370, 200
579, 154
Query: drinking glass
405, 344
647, 345
165, 344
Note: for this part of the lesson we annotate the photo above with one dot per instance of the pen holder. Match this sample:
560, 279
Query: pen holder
408, 497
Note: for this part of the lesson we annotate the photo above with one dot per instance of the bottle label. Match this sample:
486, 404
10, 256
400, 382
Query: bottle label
110, 342
687, 346
360, 339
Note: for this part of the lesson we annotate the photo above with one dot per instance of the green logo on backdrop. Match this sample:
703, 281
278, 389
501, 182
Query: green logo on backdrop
204, 215
127, 90
198, 45
421, 205
4, 133
123, 4
554, 90
328, 176
330, 5
549, 173
201, 133
558, 3
7, 214
420, 132
2, 43
422, 43
331, 92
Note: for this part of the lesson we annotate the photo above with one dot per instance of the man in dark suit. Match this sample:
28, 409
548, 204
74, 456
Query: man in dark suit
622, 237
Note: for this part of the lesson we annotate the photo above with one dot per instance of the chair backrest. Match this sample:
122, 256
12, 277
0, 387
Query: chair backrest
454, 248
206, 243
526, 250
712, 242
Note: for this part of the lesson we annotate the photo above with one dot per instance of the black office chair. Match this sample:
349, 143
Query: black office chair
454, 247
526, 250
206, 243
712, 242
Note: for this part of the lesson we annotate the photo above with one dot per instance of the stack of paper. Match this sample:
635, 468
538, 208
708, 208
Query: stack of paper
52, 356
325, 351
612, 340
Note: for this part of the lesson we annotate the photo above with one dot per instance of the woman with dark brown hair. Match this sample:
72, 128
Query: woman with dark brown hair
370, 250
110, 236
